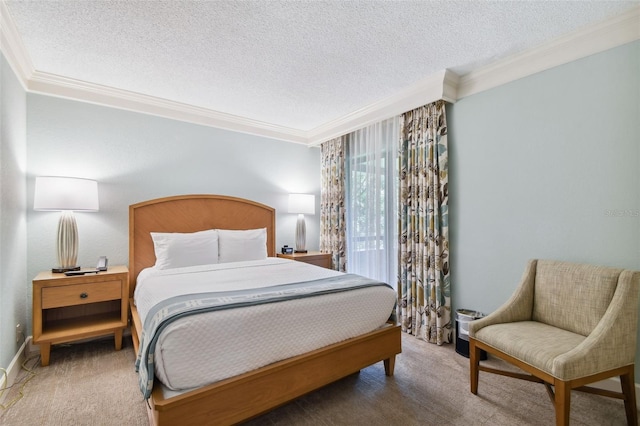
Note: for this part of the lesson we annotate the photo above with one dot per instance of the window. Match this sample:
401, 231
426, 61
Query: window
372, 182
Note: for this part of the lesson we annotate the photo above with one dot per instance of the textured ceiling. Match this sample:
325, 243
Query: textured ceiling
298, 64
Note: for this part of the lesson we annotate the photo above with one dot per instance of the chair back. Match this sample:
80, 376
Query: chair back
571, 296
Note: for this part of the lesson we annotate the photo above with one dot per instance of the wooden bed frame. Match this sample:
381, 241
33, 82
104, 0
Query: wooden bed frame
248, 395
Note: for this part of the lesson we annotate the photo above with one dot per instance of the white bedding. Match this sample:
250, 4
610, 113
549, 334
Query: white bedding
205, 348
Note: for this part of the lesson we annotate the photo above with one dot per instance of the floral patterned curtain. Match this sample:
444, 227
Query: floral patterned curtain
423, 262
332, 206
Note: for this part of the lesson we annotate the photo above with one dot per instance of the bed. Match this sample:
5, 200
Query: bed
249, 394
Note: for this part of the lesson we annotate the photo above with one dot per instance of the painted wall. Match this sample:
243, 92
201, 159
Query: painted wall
545, 167
136, 157
13, 228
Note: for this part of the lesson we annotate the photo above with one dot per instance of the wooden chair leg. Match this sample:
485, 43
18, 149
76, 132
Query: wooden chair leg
474, 360
562, 402
629, 391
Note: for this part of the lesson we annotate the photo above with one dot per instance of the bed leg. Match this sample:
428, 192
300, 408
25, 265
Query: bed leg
389, 365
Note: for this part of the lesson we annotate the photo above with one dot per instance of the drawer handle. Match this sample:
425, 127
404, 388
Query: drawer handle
83, 295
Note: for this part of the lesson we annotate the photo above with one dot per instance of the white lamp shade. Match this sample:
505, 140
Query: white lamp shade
64, 193
302, 203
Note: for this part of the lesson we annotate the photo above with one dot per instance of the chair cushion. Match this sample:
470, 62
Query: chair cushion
533, 343
571, 296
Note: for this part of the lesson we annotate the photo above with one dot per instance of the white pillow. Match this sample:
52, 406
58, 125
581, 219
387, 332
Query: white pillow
237, 246
176, 250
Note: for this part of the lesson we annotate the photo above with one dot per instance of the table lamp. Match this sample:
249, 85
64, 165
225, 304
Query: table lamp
301, 204
67, 195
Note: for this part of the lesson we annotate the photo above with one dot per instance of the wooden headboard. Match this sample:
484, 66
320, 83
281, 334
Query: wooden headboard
191, 213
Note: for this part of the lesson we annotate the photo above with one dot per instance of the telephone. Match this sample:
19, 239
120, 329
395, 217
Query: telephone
102, 263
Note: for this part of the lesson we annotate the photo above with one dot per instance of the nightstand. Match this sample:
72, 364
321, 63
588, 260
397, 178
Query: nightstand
312, 257
76, 307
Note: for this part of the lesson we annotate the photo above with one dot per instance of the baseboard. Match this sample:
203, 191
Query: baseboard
31, 347
14, 368
613, 384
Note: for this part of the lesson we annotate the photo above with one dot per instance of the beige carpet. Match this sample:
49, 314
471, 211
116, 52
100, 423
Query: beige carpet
85, 384
91, 384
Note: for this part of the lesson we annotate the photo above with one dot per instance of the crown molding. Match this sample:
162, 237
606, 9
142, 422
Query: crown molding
444, 84
13, 48
441, 85
584, 42
63, 87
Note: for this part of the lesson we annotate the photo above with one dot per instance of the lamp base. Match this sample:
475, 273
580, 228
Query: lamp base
62, 270
301, 235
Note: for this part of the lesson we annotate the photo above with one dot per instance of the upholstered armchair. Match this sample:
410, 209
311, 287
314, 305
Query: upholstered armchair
566, 325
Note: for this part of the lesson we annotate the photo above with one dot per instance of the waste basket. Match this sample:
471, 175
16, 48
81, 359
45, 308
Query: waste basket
463, 318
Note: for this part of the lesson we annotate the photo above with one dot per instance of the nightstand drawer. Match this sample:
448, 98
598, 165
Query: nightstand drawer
79, 294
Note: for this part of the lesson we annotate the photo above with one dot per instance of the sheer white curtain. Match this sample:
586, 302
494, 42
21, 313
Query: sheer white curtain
372, 182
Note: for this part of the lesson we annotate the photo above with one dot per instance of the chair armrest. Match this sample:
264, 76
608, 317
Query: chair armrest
519, 307
612, 343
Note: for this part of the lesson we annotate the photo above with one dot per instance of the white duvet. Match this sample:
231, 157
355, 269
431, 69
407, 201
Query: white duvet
205, 348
